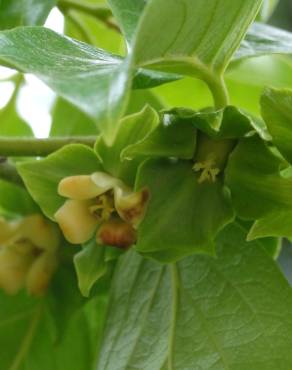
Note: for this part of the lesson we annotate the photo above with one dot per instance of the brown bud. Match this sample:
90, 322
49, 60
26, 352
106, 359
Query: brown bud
116, 233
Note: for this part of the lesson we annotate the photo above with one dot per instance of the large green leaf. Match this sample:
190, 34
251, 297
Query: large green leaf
15, 13
90, 78
228, 313
192, 37
257, 186
42, 177
183, 216
262, 39
276, 108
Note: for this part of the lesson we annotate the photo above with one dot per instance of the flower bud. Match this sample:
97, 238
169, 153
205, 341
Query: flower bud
116, 233
40, 273
42, 233
7, 231
15, 262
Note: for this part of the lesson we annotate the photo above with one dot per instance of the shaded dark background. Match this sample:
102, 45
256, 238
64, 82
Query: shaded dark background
282, 16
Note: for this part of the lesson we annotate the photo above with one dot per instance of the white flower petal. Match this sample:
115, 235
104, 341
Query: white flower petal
78, 187
76, 221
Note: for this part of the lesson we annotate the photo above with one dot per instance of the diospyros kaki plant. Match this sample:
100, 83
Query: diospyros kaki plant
144, 232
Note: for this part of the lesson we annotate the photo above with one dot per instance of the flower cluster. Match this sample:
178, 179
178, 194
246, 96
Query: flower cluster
28, 254
103, 204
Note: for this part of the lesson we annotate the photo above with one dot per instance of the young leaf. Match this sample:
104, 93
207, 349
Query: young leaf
276, 107
262, 39
90, 265
127, 13
130, 130
198, 38
253, 177
11, 124
169, 139
67, 120
183, 216
230, 312
276, 224
42, 177
15, 13
227, 123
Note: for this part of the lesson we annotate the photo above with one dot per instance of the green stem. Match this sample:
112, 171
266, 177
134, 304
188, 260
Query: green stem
219, 92
102, 13
32, 147
9, 173
175, 302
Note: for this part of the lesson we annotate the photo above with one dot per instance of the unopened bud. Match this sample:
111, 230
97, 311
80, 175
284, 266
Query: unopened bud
14, 266
116, 233
41, 232
40, 273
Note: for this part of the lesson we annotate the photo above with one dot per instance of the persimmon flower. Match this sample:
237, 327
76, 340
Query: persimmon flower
28, 254
102, 203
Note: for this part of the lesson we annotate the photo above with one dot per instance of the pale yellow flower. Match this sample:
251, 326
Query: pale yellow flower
98, 200
28, 254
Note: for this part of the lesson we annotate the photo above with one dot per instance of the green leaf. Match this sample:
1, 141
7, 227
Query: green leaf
15, 200
67, 120
42, 177
253, 176
198, 38
230, 313
15, 13
11, 124
34, 335
276, 106
90, 265
95, 81
227, 123
262, 39
276, 224
169, 139
92, 79
183, 216
127, 13
140, 98
131, 129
